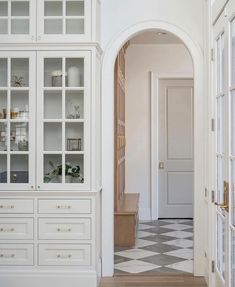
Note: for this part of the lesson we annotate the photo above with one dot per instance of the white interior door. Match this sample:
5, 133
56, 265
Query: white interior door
176, 148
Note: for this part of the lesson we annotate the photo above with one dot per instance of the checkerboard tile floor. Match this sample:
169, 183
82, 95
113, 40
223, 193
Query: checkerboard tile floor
162, 246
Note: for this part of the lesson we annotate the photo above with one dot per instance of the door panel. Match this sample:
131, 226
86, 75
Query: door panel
176, 148
179, 123
183, 182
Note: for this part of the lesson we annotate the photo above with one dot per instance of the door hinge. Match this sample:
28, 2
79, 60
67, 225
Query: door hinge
212, 125
213, 266
212, 196
206, 192
212, 54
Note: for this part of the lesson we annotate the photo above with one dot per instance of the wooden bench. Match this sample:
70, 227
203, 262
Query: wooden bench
126, 220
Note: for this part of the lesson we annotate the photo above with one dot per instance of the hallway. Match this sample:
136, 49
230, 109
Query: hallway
162, 246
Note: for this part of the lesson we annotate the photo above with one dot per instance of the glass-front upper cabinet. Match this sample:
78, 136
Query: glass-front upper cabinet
17, 20
63, 120
64, 20
17, 101
48, 21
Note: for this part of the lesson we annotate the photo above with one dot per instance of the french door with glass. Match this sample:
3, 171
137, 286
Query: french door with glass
224, 90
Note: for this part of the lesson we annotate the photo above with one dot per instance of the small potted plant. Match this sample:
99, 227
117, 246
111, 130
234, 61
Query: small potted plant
72, 173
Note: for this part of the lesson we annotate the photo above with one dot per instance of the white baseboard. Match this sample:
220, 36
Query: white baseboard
144, 214
48, 279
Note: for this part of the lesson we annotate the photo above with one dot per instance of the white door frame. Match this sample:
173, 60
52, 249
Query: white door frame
108, 140
154, 99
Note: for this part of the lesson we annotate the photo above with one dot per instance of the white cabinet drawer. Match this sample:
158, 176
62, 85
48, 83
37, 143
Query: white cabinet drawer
64, 254
61, 228
16, 205
63, 206
16, 228
16, 254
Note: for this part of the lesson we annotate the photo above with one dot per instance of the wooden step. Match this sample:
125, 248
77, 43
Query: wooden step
129, 204
126, 220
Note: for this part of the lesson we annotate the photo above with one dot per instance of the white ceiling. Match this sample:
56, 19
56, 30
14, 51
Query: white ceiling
152, 37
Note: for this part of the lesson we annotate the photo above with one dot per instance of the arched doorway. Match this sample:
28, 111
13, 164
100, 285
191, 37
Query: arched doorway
108, 141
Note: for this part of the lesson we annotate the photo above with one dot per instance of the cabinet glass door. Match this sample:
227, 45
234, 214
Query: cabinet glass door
64, 20
17, 100
63, 109
17, 20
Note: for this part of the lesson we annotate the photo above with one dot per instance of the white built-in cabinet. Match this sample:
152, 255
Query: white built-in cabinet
45, 111
49, 21
50, 170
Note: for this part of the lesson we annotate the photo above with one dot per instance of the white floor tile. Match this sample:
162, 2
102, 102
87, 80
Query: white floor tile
178, 234
175, 220
141, 233
135, 266
177, 226
181, 253
135, 253
185, 266
184, 243
142, 243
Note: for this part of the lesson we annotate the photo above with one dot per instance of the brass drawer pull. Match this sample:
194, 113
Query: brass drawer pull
7, 255
64, 229
7, 206
64, 256
7, 229
63, 206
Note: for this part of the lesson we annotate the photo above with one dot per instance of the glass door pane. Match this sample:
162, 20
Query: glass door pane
3, 136
3, 17
64, 17
18, 21
221, 244
3, 168
233, 53
20, 17
53, 170
53, 17
19, 169
19, 72
3, 72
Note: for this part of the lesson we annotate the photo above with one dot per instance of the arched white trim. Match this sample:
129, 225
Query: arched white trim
108, 141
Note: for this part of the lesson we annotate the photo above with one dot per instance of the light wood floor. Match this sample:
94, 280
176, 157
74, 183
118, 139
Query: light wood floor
153, 281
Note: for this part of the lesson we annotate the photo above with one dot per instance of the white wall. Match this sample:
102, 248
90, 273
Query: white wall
140, 60
117, 15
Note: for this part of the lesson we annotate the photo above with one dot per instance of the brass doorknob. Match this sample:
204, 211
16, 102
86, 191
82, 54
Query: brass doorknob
161, 165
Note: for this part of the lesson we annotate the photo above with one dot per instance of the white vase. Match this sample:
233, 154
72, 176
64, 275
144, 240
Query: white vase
73, 76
